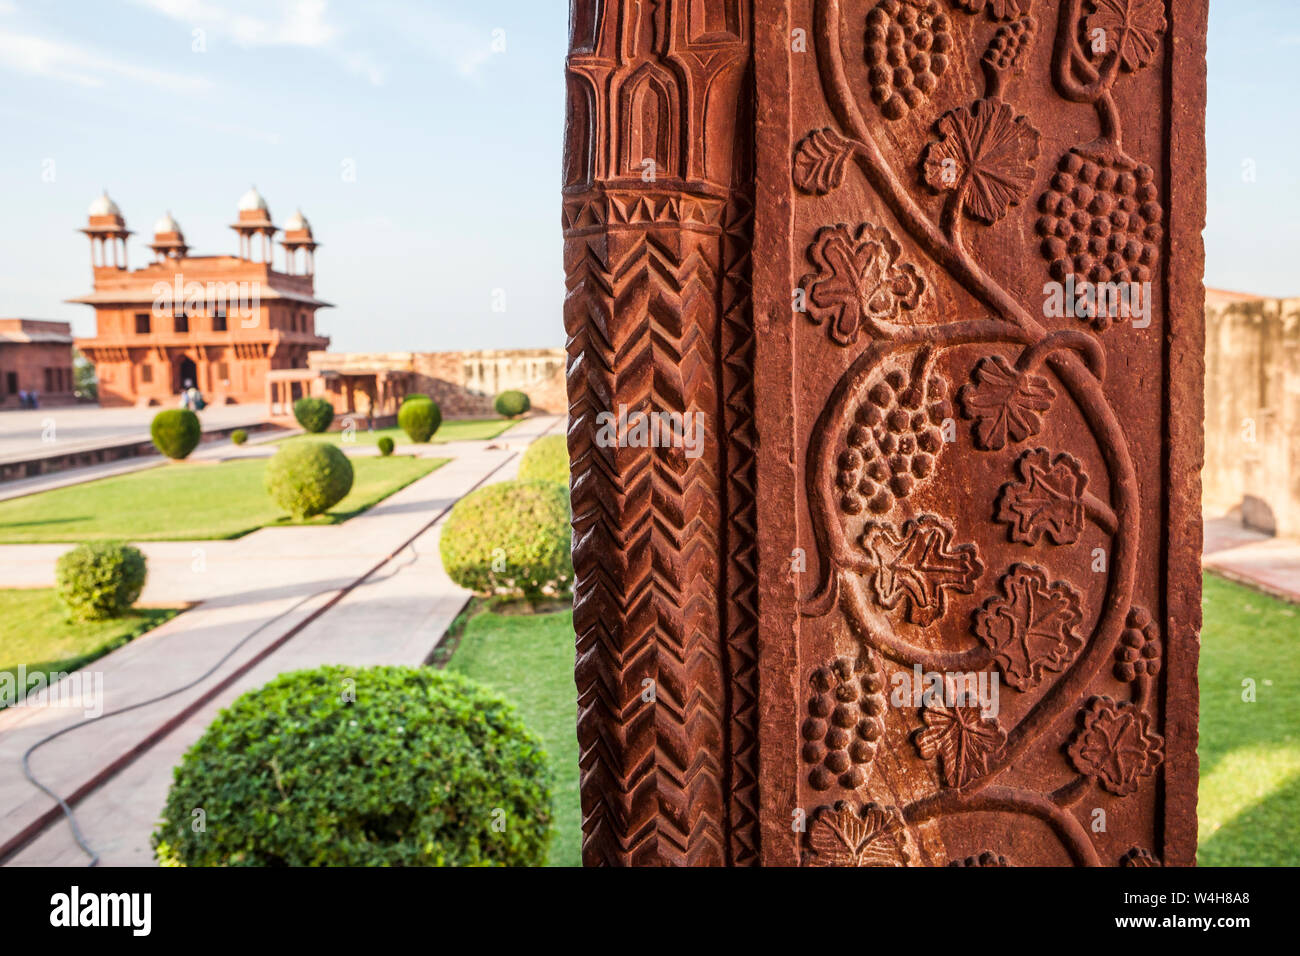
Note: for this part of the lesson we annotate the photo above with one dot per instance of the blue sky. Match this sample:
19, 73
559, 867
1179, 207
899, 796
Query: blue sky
455, 148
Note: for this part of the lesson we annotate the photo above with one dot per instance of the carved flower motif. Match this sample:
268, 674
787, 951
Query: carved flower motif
1116, 746
1134, 26
859, 280
998, 9
842, 836
918, 567
1030, 628
962, 738
987, 154
987, 858
1048, 499
819, 161
1007, 404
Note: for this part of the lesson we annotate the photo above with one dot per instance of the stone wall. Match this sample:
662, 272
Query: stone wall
36, 355
1252, 410
465, 383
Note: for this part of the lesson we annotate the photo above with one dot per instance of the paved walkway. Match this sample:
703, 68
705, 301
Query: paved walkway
369, 591
1250, 557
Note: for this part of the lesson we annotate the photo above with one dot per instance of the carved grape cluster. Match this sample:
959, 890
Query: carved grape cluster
1010, 44
846, 721
1138, 652
907, 50
893, 443
1101, 220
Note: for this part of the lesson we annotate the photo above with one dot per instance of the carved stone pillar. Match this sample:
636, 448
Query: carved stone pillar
928, 590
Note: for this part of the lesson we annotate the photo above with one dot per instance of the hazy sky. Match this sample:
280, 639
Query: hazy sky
454, 146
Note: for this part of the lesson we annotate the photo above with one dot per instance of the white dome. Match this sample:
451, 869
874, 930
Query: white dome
103, 206
252, 200
166, 224
298, 221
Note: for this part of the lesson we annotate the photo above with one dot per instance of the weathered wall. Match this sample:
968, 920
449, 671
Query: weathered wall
1252, 410
465, 383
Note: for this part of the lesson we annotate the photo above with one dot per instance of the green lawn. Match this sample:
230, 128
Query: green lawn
468, 429
35, 632
185, 501
1250, 752
529, 659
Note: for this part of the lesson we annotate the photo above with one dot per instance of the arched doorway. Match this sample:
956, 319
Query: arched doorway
187, 373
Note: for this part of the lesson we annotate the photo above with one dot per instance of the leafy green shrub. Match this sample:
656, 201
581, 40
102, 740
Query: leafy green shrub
380, 766
176, 432
385, 445
546, 459
308, 477
512, 404
416, 397
419, 418
239, 436
313, 414
99, 580
512, 538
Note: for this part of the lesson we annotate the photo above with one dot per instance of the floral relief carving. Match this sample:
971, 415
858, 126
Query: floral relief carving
1030, 627
962, 738
997, 9
987, 858
845, 723
841, 835
1047, 500
820, 160
907, 44
1132, 26
916, 568
1138, 652
858, 281
1115, 745
1139, 857
1006, 403
985, 154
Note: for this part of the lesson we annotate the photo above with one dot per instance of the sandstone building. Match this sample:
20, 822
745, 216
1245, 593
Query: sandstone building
221, 322
35, 356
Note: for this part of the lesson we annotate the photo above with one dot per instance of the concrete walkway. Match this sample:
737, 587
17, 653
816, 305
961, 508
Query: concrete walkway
369, 591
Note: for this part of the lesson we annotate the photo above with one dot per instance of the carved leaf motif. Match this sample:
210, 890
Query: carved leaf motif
1007, 404
918, 567
1030, 628
1139, 857
1048, 499
858, 280
1116, 746
962, 738
819, 161
842, 836
1134, 26
987, 154
998, 9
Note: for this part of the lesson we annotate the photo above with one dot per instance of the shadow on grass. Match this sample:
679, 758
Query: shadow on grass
41, 524
1267, 833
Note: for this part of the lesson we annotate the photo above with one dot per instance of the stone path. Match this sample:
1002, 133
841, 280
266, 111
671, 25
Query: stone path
1250, 557
369, 591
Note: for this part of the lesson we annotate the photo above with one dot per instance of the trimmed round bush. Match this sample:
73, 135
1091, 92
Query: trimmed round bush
99, 580
512, 538
379, 766
512, 404
176, 432
416, 397
385, 445
308, 477
313, 414
546, 459
239, 436
419, 418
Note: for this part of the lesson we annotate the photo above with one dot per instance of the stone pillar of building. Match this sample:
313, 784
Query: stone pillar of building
928, 275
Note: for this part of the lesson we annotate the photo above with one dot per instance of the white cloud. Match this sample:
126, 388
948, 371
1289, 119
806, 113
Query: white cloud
37, 56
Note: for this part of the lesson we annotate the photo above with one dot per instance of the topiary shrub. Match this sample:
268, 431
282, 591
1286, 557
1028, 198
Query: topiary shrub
176, 432
511, 538
385, 445
419, 418
512, 404
308, 477
313, 414
99, 580
416, 397
379, 766
546, 459
239, 436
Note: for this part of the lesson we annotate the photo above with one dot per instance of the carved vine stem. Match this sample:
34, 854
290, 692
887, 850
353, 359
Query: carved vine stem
943, 245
